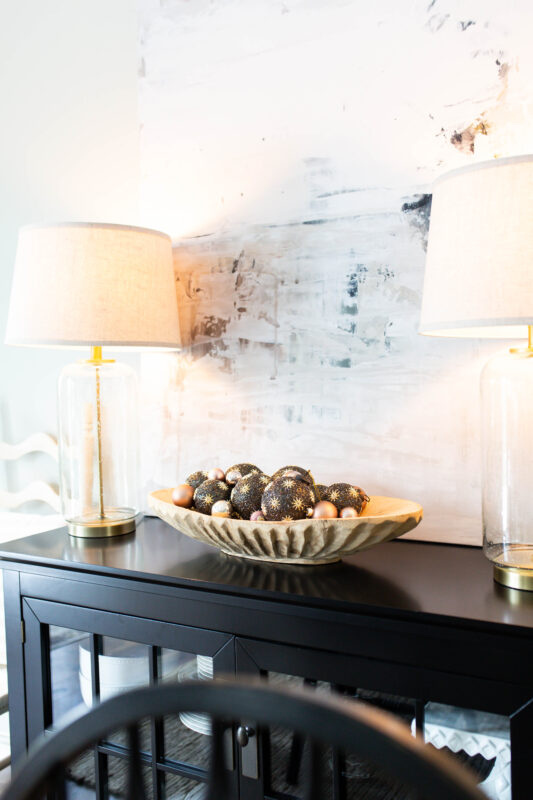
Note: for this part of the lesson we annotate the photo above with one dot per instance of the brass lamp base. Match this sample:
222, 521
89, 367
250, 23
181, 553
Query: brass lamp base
514, 577
101, 529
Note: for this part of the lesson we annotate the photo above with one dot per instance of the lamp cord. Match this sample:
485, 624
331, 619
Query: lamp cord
99, 444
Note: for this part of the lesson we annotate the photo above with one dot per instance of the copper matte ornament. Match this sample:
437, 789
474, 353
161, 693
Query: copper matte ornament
216, 474
222, 508
349, 513
183, 495
325, 510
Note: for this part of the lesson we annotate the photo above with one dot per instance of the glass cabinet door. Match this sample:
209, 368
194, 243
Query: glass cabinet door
280, 761
86, 656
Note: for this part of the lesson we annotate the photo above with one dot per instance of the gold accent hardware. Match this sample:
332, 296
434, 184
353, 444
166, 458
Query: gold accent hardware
525, 351
101, 530
514, 577
96, 357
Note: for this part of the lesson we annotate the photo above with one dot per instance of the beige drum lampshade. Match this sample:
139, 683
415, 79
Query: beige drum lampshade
479, 268
93, 284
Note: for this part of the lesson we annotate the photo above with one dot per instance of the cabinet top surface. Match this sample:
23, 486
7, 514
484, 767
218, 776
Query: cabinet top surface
408, 578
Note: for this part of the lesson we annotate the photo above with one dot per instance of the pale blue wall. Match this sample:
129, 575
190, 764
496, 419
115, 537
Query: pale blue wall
68, 150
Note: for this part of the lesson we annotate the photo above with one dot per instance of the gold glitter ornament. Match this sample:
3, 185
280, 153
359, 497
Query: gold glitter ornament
238, 471
247, 493
344, 495
195, 479
208, 493
304, 473
286, 499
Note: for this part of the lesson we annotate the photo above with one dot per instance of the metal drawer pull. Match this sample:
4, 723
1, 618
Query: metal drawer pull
247, 739
244, 734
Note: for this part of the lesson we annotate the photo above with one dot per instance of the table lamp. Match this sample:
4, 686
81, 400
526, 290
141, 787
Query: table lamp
90, 284
479, 283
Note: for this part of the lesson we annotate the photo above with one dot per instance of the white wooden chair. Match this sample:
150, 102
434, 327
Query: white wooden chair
37, 490
15, 524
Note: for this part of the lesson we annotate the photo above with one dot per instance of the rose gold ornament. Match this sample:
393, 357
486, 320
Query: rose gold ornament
183, 495
222, 508
325, 510
257, 516
348, 513
216, 474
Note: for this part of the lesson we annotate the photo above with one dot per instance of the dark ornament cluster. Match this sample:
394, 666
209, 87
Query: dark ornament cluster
244, 491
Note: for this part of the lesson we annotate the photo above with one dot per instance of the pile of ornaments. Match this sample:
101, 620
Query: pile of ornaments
245, 492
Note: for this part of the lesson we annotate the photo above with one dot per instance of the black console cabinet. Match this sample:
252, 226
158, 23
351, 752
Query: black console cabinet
412, 620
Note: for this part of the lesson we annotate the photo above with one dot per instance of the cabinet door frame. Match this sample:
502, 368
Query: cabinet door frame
38, 615
255, 657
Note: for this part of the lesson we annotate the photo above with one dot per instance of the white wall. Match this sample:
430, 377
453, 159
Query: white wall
68, 151
288, 146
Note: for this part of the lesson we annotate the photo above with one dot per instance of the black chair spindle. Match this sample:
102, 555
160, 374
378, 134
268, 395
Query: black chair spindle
136, 789
218, 788
314, 771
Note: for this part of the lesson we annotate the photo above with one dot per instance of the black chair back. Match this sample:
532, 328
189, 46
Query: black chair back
325, 721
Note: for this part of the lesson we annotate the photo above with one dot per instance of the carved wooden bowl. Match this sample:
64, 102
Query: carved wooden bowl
304, 541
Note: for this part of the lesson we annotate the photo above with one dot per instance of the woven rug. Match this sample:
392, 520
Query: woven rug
364, 780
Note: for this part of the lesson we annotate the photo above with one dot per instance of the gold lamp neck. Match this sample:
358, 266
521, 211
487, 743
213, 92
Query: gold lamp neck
527, 351
96, 357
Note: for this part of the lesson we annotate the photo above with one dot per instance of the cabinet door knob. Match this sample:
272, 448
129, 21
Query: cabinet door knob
244, 734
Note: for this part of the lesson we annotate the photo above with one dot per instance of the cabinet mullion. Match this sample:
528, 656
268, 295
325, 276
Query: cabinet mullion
339, 775
156, 731
420, 717
100, 759
96, 650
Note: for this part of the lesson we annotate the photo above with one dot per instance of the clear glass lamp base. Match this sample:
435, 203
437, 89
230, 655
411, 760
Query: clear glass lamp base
98, 447
507, 437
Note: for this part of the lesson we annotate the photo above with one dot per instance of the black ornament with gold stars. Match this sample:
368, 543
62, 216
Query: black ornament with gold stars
344, 495
247, 493
197, 478
208, 493
305, 473
286, 499
320, 491
238, 471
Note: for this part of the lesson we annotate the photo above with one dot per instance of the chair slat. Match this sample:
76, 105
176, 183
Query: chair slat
136, 790
218, 788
